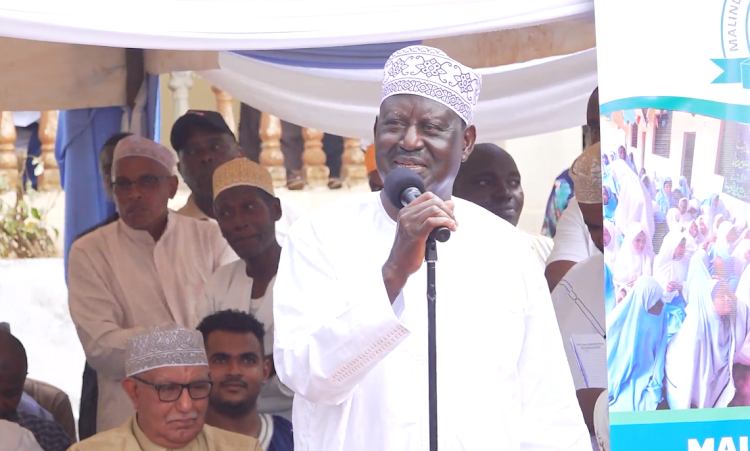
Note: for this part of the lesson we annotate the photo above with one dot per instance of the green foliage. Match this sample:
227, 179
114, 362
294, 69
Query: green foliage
23, 231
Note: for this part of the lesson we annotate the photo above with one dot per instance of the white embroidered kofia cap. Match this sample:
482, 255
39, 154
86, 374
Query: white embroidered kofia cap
428, 72
138, 146
164, 346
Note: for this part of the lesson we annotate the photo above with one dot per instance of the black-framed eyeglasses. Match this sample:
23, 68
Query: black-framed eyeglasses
144, 182
172, 392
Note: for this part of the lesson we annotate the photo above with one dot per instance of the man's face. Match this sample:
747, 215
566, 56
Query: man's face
204, 151
592, 217
142, 189
246, 218
12, 378
169, 424
105, 168
424, 136
490, 179
376, 183
239, 369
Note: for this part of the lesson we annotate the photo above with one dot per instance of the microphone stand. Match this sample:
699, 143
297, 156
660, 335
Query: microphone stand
430, 256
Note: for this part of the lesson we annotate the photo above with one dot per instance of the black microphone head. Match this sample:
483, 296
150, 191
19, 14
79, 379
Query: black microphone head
397, 181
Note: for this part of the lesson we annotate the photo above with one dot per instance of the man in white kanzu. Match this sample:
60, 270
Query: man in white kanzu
350, 309
146, 269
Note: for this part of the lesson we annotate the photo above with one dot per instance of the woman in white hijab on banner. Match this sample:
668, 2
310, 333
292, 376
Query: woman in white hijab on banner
350, 306
700, 356
670, 270
635, 258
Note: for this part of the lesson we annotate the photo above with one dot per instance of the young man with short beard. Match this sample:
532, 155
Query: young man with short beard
234, 344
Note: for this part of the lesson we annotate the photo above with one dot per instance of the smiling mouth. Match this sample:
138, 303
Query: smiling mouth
412, 166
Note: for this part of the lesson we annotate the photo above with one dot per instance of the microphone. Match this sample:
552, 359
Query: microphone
401, 187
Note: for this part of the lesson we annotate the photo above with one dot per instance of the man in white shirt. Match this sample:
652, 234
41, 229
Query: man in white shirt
580, 297
350, 306
147, 268
490, 178
203, 142
247, 211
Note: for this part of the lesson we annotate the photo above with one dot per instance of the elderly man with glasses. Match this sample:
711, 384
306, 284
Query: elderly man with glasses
168, 383
148, 268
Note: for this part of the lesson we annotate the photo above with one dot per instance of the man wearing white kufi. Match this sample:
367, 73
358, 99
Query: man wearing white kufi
349, 299
168, 383
147, 268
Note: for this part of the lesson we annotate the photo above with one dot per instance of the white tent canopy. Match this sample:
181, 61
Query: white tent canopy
264, 24
536, 56
518, 100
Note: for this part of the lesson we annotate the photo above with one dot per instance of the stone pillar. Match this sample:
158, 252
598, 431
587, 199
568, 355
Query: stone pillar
8, 159
224, 107
180, 84
353, 170
49, 179
271, 157
314, 166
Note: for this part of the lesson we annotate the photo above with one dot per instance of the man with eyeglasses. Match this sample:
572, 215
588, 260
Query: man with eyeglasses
168, 382
147, 268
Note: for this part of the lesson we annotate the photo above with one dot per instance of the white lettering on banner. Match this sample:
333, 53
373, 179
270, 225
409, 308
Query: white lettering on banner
726, 444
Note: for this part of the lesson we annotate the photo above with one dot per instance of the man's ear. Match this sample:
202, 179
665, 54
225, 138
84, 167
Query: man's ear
131, 389
173, 183
470, 138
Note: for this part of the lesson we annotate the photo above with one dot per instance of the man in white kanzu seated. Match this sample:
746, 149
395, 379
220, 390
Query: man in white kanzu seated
168, 382
203, 142
350, 308
247, 212
490, 178
147, 268
573, 241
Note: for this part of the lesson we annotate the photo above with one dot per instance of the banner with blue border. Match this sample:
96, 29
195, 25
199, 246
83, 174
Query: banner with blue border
674, 90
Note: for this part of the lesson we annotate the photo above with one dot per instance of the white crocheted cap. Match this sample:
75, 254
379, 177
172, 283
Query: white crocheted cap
428, 72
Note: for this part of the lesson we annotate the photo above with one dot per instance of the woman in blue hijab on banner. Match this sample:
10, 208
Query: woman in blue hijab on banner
636, 346
701, 354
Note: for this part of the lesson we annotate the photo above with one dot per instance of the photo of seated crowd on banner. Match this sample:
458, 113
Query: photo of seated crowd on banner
676, 195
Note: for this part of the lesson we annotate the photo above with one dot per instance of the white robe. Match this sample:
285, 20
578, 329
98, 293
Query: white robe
229, 288
579, 307
572, 240
120, 282
290, 212
359, 364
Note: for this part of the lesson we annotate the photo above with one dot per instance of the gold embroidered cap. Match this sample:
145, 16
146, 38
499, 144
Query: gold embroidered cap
242, 172
586, 173
164, 346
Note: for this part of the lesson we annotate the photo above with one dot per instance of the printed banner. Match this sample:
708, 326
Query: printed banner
674, 86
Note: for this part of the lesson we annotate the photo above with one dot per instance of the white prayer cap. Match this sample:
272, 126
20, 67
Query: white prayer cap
586, 173
428, 72
242, 172
164, 346
138, 146
601, 421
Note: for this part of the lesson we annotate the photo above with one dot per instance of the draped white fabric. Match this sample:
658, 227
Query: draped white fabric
517, 100
269, 24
